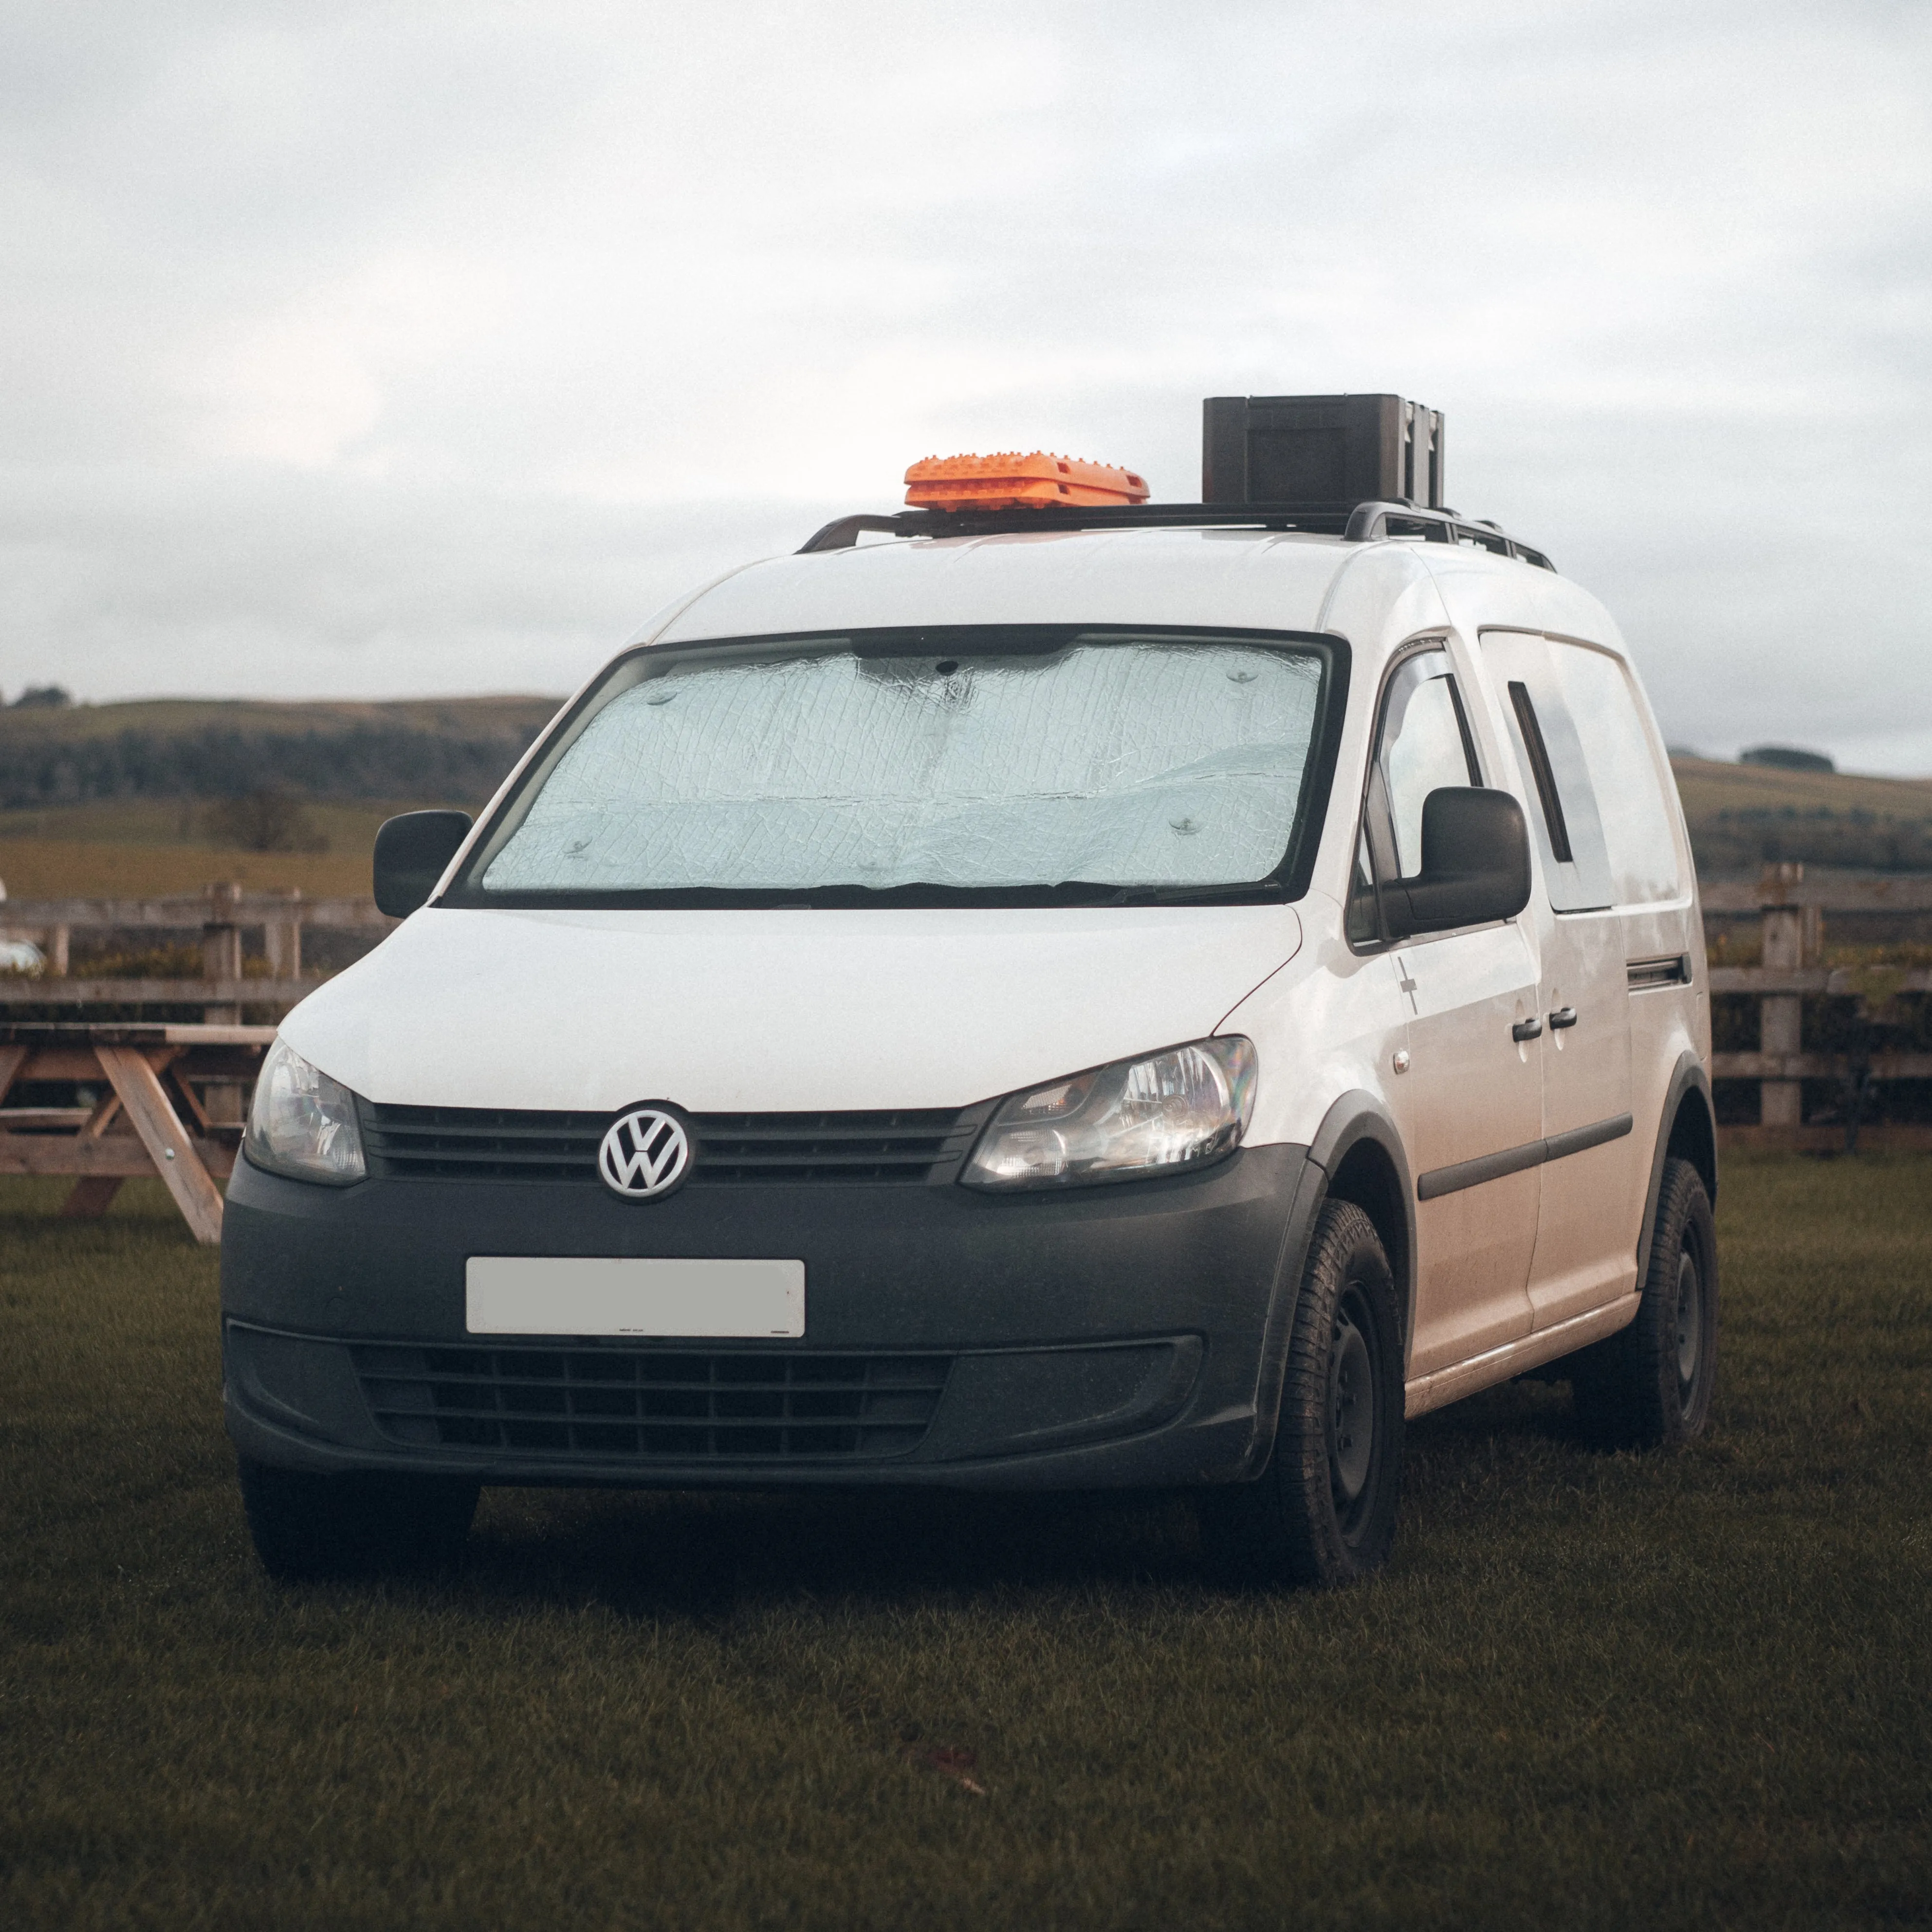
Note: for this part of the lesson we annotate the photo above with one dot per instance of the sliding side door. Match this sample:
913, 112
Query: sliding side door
1586, 1234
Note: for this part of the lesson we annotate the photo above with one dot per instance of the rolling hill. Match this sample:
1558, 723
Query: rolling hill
1742, 816
186, 748
113, 798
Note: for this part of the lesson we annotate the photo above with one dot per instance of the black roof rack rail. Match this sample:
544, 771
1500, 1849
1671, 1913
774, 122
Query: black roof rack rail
1362, 523
1367, 521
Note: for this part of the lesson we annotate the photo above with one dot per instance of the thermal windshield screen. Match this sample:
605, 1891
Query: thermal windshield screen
1133, 762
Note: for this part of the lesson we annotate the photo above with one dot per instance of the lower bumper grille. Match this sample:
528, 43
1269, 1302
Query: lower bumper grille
627, 1405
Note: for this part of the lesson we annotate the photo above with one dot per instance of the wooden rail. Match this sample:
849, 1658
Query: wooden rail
52, 991
220, 914
1829, 891
231, 904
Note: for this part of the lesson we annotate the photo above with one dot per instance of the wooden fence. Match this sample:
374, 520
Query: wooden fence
1789, 909
1791, 912
220, 915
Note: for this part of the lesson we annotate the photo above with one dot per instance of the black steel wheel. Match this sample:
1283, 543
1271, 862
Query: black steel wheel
1649, 1386
1323, 1510
308, 1528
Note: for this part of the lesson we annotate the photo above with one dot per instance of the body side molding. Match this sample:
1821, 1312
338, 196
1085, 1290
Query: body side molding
1441, 1180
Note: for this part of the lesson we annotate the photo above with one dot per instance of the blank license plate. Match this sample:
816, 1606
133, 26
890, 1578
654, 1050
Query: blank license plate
523, 1294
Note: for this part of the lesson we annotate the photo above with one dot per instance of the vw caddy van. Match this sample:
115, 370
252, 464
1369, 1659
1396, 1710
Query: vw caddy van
1068, 993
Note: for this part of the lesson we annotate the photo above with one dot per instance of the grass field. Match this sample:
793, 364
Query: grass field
152, 848
1591, 1691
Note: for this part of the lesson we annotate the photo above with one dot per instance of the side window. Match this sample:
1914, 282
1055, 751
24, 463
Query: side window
1630, 800
1568, 826
1423, 745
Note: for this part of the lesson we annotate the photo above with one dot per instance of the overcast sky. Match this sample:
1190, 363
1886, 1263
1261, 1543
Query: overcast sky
399, 349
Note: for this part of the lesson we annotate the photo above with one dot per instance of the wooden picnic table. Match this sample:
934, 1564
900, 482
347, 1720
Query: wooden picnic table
155, 1118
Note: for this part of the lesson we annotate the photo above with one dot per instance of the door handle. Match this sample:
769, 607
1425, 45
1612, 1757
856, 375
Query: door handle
1564, 1016
1526, 1030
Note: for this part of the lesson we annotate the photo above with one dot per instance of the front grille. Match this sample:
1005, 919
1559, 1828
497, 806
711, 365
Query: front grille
626, 1405
926, 1147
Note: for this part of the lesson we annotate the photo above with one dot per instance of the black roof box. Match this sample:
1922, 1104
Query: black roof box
1326, 450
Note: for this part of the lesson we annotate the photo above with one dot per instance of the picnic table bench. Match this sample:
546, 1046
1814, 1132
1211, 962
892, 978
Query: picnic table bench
166, 1109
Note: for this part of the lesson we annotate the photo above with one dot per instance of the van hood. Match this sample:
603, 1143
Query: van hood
778, 1011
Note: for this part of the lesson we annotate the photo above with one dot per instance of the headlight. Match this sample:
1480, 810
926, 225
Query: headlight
303, 1124
1138, 1117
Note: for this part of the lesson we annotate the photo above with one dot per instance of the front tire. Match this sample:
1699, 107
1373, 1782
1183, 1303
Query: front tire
1649, 1385
1323, 1511
307, 1528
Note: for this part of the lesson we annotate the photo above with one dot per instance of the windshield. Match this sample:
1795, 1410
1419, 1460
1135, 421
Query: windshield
943, 762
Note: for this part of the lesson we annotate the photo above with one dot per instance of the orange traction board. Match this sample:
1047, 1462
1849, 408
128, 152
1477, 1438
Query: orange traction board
1008, 481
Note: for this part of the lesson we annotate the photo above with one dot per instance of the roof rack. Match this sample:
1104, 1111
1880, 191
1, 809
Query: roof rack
1362, 523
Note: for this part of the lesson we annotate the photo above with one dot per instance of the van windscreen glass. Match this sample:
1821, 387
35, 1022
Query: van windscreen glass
946, 762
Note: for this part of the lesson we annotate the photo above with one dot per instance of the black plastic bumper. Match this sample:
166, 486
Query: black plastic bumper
1122, 1336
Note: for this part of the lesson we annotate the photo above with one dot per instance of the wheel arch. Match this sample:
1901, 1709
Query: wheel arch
1356, 1155
1687, 1130
1358, 1148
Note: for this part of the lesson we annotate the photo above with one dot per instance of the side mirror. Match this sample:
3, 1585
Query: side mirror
1475, 864
411, 853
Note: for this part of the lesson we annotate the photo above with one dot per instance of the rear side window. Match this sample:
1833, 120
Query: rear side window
1576, 862
1630, 803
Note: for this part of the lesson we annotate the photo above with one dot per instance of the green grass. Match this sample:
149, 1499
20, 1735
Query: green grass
1591, 1691
138, 848
188, 821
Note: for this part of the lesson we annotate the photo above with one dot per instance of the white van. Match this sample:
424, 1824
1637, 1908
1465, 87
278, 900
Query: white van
1138, 998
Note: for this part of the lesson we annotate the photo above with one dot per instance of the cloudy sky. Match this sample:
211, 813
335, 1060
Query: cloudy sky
383, 350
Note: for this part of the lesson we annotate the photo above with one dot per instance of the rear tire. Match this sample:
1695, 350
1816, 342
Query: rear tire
308, 1527
1323, 1511
1649, 1385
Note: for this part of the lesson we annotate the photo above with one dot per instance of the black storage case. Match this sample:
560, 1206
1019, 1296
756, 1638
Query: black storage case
1330, 452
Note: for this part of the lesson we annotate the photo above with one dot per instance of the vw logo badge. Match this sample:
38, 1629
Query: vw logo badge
646, 1152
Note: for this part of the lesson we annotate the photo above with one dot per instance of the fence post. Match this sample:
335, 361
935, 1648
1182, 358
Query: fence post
221, 948
281, 940
58, 938
1781, 1016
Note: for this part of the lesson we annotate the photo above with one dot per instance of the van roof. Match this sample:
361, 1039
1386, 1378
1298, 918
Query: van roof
1241, 578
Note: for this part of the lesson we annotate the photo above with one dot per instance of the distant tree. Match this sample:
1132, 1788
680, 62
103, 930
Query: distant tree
1786, 758
42, 697
266, 821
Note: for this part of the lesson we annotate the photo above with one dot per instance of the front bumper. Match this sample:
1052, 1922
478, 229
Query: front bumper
1124, 1335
